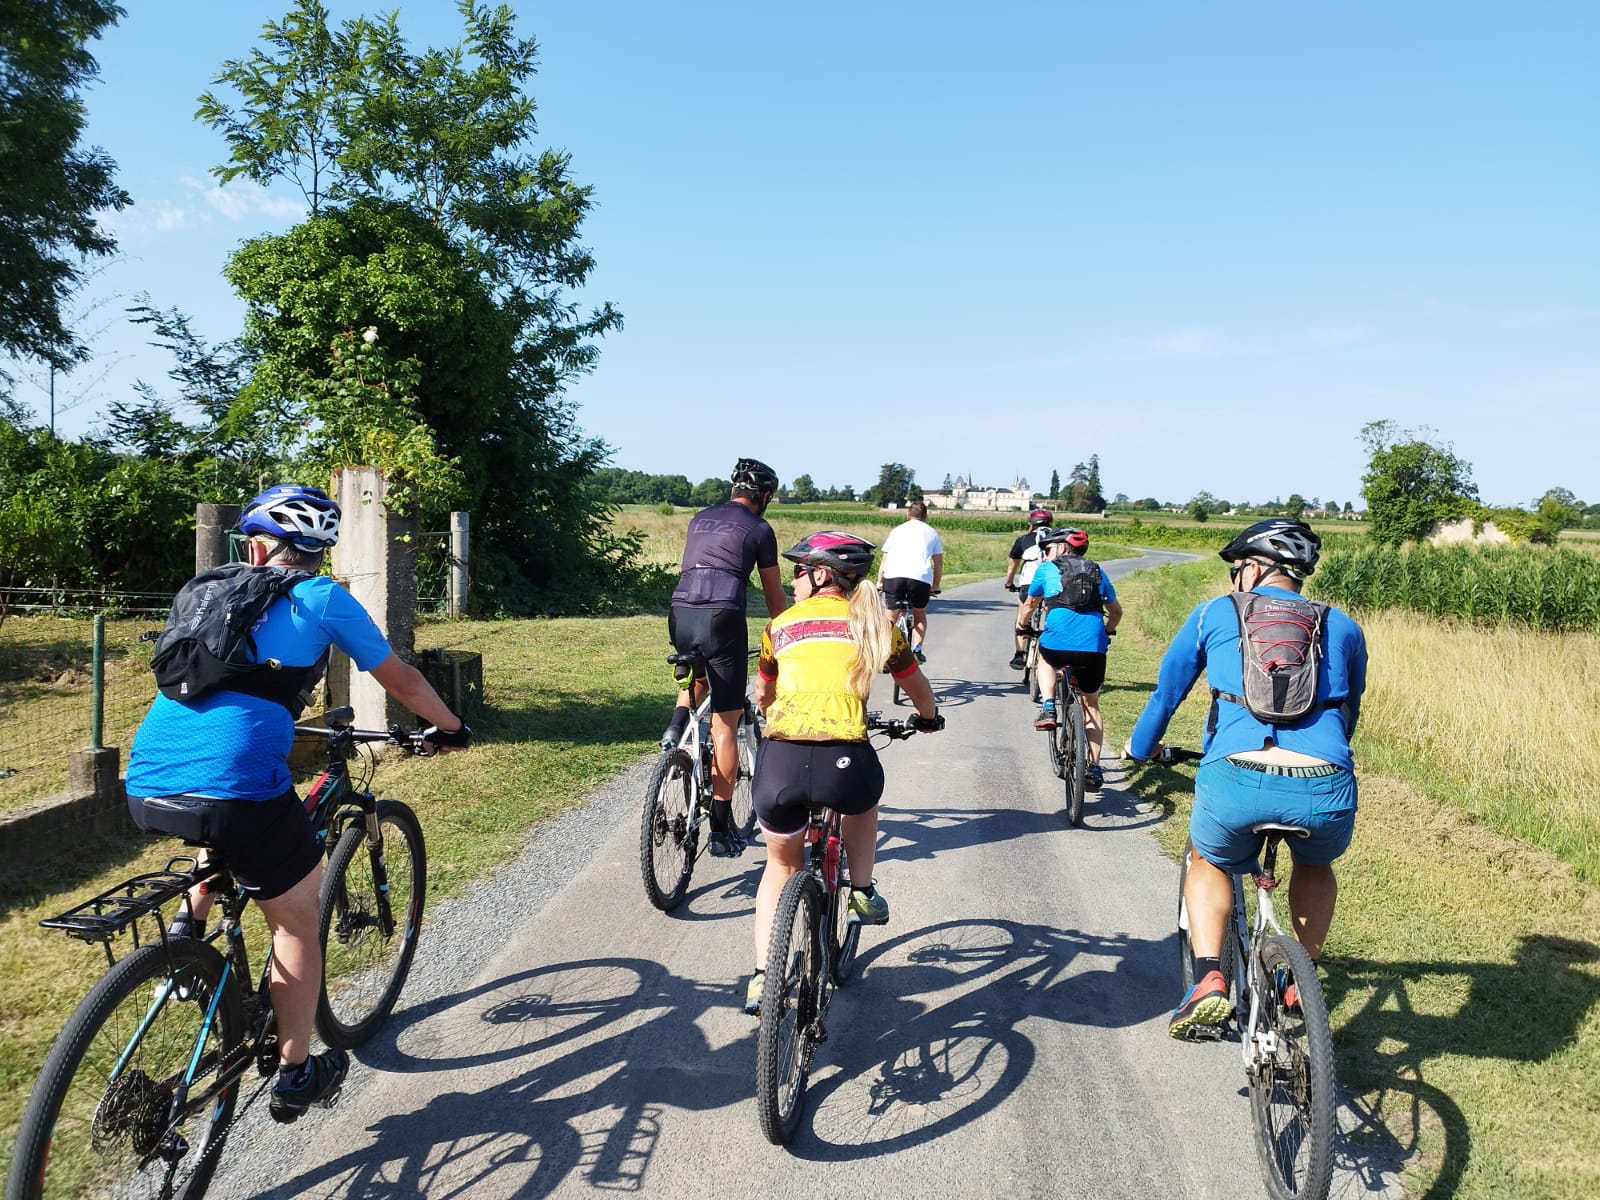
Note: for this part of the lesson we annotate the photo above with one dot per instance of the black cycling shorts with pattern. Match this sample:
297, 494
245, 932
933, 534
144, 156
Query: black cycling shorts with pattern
792, 778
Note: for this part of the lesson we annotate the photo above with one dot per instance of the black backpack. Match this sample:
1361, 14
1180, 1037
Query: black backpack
208, 645
1080, 585
1280, 641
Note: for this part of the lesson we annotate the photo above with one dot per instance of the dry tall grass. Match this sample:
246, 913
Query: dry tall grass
1511, 717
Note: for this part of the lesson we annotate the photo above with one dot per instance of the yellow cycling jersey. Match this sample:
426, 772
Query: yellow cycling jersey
808, 650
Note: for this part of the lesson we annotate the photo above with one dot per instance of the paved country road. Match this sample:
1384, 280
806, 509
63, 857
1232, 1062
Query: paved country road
1005, 1035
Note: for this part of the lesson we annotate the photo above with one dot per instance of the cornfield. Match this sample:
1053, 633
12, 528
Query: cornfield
1548, 590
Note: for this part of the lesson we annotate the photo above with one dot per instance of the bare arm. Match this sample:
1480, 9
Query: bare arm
407, 685
766, 689
938, 570
1011, 569
772, 590
1113, 616
917, 687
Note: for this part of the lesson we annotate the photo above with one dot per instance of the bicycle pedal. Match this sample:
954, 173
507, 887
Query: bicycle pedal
819, 1033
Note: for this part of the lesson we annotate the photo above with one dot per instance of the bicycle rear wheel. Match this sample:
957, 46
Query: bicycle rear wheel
1292, 1089
748, 744
1075, 755
98, 1121
667, 846
789, 1006
369, 926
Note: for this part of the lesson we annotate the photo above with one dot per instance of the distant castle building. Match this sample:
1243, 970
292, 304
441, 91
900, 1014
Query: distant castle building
964, 495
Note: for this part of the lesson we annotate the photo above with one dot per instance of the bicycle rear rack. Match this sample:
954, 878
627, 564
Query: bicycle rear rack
105, 916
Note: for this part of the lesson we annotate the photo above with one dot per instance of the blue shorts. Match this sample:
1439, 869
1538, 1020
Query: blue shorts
1229, 799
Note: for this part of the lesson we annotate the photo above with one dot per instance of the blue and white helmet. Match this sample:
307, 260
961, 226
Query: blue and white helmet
305, 517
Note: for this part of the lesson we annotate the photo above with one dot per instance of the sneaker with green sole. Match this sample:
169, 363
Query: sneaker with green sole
868, 910
752, 993
1205, 1004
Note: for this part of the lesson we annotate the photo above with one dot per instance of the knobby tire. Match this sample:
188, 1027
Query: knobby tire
367, 946
1077, 766
846, 933
667, 848
789, 1008
83, 1133
1292, 1095
748, 745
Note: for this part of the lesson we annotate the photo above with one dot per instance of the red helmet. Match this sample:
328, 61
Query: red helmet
1040, 516
1077, 541
846, 555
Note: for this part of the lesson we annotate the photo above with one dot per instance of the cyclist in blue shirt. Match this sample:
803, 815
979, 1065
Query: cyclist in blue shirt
1072, 640
1297, 773
216, 771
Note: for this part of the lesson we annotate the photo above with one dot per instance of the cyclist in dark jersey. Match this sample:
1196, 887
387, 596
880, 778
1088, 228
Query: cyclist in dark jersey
1024, 559
724, 543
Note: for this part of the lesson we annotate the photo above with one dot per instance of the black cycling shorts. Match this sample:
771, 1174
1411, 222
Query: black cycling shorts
720, 635
911, 592
269, 845
1087, 667
792, 778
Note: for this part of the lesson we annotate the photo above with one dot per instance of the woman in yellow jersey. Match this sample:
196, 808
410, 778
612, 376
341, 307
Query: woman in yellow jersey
818, 660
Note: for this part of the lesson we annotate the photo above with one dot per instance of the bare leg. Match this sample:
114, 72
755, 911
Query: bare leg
1312, 894
1092, 724
724, 753
860, 835
296, 964
785, 856
919, 628
1208, 892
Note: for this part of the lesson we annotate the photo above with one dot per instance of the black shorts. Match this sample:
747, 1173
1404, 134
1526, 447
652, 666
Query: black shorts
1087, 667
792, 778
269, 845
720, 635
911, 592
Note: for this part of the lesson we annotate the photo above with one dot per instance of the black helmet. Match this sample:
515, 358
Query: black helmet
846, 555
1293, 545
753, 475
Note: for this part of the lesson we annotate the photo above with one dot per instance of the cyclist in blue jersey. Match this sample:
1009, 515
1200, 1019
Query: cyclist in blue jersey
1298, 772
725, 543
1073, 640
215, 771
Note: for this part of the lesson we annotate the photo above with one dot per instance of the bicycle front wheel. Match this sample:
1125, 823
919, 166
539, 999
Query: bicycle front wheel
1075, 758
846, 933
1291, 1082
667, 844
789, 1007
749, 743
371, 915
100, 1120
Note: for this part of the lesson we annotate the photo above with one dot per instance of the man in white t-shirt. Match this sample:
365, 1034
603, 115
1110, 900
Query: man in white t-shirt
908, 572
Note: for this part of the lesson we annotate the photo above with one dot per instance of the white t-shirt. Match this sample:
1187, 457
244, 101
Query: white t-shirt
909, 549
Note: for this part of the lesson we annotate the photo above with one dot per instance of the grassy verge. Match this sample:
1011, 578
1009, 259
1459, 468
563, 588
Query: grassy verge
1464, 967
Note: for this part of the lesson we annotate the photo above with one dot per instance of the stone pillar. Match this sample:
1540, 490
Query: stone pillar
211, 525
376, 560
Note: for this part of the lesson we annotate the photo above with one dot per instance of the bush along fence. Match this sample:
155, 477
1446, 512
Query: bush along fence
1548, 590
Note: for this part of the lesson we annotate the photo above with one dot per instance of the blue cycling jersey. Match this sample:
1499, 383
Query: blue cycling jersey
1064, 629
236, 747
1209, 641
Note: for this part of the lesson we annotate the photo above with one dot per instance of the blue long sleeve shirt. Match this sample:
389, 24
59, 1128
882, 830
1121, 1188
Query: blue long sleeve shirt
1209, 641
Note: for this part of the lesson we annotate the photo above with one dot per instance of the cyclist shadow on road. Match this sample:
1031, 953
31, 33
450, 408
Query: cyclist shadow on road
1512, 1011
909, 835
572, 1069
945, 1043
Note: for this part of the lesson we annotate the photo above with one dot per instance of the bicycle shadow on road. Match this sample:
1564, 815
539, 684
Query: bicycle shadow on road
917, 1064
908, 835
610, 1046
1526, 1011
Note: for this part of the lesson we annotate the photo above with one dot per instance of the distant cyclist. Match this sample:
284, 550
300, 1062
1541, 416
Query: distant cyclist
725, 542
1024, 559
913, 561
1081, 613
818, 661
1262, 647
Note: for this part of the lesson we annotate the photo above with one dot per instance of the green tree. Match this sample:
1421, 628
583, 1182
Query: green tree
948, 485
1055, 483
804, 490
433, 224
913, 493
710, 491
1295, 506
1200, 506
1411, 484
50, 187
894, 480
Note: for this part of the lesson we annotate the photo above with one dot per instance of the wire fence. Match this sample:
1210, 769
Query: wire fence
49, 690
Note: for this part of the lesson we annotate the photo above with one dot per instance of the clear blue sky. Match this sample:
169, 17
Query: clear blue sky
1208, 242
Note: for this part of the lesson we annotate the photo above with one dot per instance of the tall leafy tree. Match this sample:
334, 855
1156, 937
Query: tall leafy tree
1055, 484
894, 480
50, 187
435, 223
1411, 484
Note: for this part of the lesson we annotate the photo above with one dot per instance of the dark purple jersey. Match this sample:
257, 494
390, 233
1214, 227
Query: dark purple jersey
725, 541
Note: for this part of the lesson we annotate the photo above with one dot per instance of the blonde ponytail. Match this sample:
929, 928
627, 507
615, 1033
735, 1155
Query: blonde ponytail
873, 636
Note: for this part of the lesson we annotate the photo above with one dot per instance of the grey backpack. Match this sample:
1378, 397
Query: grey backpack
1280, 640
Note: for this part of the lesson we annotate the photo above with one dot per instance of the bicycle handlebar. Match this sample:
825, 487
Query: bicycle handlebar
1168, 755
898, 731
336, 726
